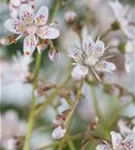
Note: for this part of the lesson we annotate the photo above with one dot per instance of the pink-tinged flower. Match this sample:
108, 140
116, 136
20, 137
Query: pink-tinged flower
32, 27
118, 143
70, 16
125, 17
88, 56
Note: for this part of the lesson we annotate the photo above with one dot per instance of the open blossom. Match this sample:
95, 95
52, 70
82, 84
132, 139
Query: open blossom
58, 133
118, 143
88, 56
125, 17
32, 27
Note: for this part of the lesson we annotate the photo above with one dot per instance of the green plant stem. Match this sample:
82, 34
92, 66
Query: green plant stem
77, 99
106, 33
95, 102
71, 145
32, 110
51, 97
57, 4
56, 143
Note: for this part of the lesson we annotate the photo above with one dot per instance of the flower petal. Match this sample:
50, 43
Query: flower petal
15, 26
88, 45
41, 16
130, 141
30, 43
103, 147
105, 66
116, 140
47, 32
79, 72
99, 48
26, 14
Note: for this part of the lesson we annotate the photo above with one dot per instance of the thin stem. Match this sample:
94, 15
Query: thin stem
106, 33
77, 99
54, 10
95, 102
32, 110
52, 97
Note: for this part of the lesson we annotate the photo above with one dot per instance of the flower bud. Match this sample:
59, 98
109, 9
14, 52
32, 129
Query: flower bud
70, 16
54, 55
58, 133
42, 45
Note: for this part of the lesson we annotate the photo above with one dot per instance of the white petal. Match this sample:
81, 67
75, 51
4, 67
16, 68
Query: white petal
88, 45
47, 32
26, 14
79, 72
75, 54
99, 48
130, 141
103, 147
116, 139
30, 43
41, 16
15, 26
129, 32
58, 133
105, 66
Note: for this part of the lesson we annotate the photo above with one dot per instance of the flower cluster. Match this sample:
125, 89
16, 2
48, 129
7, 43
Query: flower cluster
88, 57
32, 26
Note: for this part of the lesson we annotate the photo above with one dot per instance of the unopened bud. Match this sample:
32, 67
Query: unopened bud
58, 133
54, 55
70, 16
42, 45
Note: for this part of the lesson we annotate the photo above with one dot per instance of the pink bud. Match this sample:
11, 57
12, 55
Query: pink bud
70, 16
54, 55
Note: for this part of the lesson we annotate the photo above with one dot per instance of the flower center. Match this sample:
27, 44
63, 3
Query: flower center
90, 61
32, 29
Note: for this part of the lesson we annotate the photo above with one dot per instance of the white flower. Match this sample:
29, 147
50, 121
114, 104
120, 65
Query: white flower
125, 16
32, 26
87, 57
58, 133
118, 143
70, 16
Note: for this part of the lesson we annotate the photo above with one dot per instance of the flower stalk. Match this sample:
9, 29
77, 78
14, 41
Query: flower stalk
32, 110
